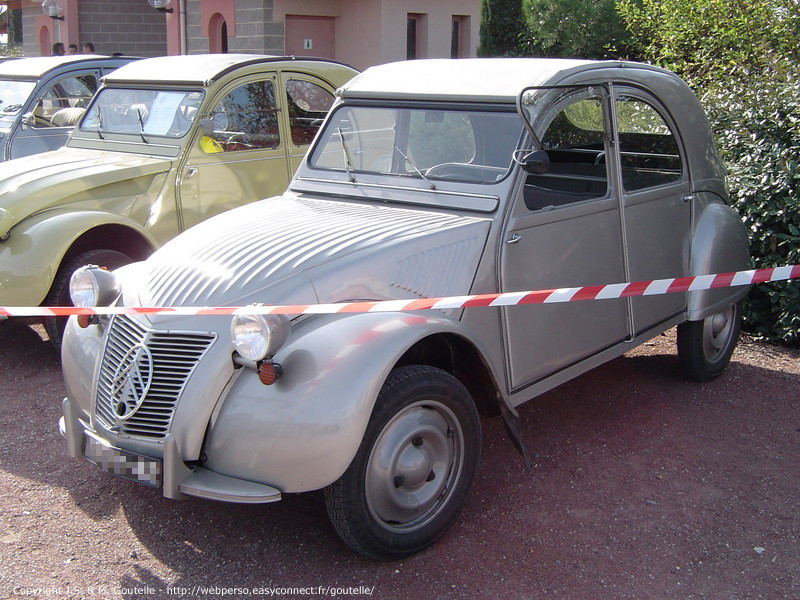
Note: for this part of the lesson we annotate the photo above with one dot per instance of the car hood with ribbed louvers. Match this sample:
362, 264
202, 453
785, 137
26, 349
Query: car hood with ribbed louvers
300, 250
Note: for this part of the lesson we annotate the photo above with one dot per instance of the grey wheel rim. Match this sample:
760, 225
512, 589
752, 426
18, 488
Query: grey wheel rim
718, 330
414, 466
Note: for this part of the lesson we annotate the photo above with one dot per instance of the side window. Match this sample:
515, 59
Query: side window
245, 119
648, 149
575, 142
308, 104
62, 104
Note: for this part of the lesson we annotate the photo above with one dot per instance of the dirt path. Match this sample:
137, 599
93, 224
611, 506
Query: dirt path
645, 486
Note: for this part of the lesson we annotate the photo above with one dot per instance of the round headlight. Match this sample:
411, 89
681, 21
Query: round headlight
92, 286
256, 337
83, 288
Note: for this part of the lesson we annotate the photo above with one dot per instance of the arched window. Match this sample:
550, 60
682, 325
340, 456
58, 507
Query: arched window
44, 42
217, 34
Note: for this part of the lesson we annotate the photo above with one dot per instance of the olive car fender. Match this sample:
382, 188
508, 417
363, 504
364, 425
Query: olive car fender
302, 432
719, 245
31, 256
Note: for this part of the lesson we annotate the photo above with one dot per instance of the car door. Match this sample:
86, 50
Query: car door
565, 230
55, 112
656, 196
244, 158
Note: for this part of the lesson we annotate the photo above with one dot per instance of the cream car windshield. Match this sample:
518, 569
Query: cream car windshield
13, 95
166, 113
431, 144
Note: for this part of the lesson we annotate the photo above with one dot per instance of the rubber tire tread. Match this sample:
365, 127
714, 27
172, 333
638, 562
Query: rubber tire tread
59, 291
693, 360
351, 518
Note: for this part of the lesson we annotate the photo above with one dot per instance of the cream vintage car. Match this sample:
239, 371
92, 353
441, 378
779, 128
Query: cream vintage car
429, 179
166, 143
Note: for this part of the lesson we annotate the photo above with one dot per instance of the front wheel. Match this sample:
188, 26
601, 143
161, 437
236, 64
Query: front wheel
705, 347
414, 469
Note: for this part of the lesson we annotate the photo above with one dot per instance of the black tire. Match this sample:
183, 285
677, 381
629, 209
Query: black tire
705, 347
59, 292
415, 467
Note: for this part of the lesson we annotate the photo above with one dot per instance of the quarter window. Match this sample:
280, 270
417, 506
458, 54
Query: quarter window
648, 149
308, 104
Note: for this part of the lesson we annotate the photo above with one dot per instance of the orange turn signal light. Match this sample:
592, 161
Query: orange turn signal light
268, 372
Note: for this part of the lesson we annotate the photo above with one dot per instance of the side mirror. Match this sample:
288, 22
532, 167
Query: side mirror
537, 162
28, 119
206, 126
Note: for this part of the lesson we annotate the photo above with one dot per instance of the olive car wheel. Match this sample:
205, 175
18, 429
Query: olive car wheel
59, 292
705, 347
415, 467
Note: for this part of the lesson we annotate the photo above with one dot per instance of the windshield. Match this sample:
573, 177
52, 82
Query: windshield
13, 95
424, 143
143, 112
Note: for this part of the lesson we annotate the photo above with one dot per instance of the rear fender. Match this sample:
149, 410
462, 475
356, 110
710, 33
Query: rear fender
719, 245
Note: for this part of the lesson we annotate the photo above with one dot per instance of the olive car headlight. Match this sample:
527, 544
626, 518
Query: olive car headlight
92, 286
256, 337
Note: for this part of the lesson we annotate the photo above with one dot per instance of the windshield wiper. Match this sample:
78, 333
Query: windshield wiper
346, 153
413, 166
100, 123
141, 125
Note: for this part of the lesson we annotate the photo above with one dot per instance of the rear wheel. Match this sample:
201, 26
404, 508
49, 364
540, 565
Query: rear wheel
59, 293
705, 347
414, 469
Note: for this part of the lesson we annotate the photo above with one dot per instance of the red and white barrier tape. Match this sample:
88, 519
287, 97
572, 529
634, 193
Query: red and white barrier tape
592, 292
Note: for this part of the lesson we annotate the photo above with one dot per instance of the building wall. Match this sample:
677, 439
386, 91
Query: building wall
366, 32
132, 28
437, 23
370, 32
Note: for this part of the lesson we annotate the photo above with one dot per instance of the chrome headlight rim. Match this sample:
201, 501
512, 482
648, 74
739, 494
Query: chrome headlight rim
258, 337
91, 285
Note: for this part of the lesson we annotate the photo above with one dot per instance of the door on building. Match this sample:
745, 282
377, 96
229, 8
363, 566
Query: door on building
310, 36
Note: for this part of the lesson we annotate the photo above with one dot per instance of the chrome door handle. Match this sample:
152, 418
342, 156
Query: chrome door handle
191, 172
515, 237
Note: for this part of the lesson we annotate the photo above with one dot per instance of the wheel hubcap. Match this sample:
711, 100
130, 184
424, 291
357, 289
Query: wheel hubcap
414, 466
717, 332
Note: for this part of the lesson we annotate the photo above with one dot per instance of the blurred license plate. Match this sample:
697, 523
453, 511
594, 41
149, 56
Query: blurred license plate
128, 465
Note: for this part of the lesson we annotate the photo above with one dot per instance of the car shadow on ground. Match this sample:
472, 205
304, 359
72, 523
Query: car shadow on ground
636, 471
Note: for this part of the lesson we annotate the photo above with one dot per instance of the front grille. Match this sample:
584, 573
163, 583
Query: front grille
133, 354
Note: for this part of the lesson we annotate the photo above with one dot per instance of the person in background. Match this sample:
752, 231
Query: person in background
72, 49
88, 48
58, 49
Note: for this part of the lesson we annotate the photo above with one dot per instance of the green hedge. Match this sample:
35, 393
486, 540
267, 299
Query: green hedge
757, 121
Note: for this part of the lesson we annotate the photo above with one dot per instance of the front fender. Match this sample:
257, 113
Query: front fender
301, 433
719, 245
31, 256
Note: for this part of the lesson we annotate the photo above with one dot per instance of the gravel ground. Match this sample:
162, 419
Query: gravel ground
645, 486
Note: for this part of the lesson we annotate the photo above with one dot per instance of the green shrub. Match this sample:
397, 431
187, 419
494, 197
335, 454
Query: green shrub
757, 122
574, 29
742, 58
502, 26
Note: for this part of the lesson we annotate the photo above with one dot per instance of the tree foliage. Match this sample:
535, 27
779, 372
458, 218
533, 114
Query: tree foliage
742, 58
502, 25
575, 29
702, 39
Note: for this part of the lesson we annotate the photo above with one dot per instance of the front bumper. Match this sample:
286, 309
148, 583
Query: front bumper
169, 473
